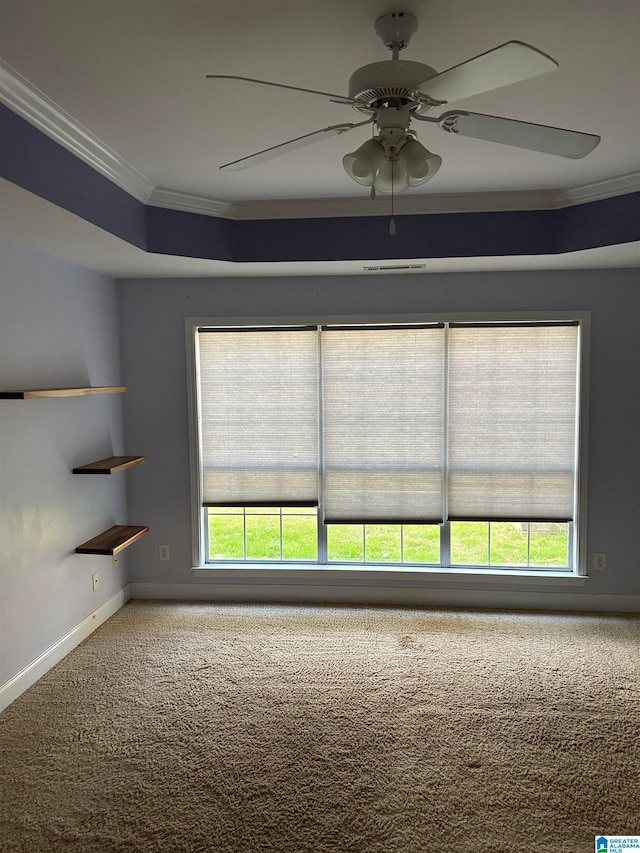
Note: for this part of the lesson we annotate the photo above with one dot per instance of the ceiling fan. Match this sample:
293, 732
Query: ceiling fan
393, 93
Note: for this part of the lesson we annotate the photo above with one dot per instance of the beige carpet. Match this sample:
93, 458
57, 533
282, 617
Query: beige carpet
196, 727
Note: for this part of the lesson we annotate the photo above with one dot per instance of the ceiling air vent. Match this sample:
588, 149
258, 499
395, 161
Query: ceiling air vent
395, 268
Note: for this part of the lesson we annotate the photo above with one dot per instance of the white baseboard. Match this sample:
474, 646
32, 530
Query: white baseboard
10, 690
393, 597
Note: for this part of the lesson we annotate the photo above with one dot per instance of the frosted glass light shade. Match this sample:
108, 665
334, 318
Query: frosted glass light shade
363, 164
387, 171
417, 163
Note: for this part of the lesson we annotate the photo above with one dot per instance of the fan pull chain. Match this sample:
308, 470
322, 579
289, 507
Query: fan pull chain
392, 222
372, 195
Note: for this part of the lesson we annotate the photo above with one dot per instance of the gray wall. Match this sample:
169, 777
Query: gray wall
58, 328
152, 316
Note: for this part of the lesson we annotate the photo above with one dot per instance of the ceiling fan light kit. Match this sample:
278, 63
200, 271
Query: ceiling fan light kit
411, 166
394, 92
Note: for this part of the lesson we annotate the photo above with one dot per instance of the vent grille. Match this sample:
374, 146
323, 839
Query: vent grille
395, 267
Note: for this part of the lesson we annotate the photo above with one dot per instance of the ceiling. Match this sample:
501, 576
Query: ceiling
132, 73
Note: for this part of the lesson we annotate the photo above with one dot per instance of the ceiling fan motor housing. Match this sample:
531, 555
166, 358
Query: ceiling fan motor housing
372, 85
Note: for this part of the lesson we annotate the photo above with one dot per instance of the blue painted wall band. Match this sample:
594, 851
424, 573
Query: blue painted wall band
35, 162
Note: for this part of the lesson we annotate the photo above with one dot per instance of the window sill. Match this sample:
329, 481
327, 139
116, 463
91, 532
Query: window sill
348, 575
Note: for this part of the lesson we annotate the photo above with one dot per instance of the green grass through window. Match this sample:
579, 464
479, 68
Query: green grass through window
290, 533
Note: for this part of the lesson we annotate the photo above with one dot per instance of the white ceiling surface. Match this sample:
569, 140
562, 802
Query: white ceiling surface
133, 73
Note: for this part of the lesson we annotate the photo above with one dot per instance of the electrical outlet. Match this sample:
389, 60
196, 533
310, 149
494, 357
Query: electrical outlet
600, 560
95, 581
164, 552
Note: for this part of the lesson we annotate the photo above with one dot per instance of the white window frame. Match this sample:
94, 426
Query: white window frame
346, 573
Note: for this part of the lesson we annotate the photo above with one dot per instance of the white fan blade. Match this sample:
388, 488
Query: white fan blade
521, 134
338, 98
290, 145
509, 63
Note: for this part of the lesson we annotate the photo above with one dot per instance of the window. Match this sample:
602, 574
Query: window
439, 444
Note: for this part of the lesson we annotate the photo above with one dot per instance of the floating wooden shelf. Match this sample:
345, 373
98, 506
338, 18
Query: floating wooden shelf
110, 465
61, 392
112, 541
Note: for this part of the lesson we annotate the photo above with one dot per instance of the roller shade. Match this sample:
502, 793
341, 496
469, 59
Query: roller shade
512, 393
259, 416
383, 424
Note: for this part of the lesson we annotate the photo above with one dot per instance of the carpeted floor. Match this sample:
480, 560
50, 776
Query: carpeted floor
242, 729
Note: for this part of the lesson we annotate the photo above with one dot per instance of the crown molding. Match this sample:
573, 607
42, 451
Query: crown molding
23, 98
324, 208
598, 190
327, 208
19, 95
189, 203
321, 208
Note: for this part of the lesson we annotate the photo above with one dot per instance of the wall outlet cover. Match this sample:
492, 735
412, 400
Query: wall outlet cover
600, 560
